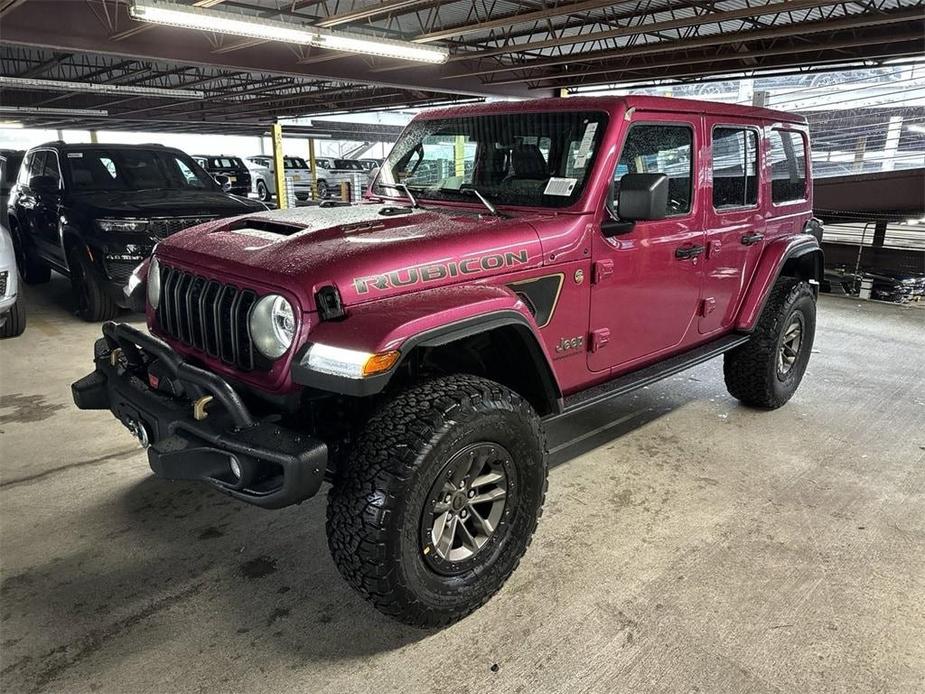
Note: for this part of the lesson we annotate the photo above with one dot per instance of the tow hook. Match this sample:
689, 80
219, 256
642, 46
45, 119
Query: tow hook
139, 432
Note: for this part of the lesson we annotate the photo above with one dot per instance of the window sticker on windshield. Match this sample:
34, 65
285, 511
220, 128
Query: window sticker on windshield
581, 154
75, 155
562, 187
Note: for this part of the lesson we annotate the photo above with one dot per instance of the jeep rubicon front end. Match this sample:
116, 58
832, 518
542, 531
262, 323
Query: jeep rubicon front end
515, 264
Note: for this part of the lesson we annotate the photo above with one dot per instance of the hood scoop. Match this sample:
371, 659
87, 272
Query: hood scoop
263, 227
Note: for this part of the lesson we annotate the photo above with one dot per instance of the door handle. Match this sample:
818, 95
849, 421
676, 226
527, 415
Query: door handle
688, 252
752, 239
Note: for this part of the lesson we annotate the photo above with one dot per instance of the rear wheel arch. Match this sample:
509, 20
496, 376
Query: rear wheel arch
804, 264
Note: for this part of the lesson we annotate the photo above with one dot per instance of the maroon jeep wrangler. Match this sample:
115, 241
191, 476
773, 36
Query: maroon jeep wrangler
515, 262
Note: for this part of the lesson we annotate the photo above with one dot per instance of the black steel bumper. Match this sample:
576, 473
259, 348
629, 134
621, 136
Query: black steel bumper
151, 390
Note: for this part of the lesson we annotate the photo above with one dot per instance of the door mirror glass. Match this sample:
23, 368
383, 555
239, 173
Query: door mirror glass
43, 184
642, 196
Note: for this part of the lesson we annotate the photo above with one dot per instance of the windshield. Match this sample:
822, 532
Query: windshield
535, 159
135, 169
348, 164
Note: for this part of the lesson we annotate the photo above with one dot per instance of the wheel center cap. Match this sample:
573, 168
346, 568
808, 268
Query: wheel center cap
459, 501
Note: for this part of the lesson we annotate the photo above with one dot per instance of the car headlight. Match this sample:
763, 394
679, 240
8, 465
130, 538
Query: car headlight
349, 363
272, 326
122, 224
154, 283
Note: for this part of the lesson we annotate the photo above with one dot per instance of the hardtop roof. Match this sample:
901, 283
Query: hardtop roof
613, 104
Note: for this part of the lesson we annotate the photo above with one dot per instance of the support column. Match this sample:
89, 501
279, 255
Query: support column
279, 169
891, 146
312, 167
93, 138
879, 234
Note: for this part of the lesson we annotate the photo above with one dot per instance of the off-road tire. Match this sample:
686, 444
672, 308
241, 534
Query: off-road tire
15, 320
263, 193
751, 370
93, 303
31, 269
323, 189
379, 500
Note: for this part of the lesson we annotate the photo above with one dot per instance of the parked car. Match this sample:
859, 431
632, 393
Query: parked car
262, 182
12, 309
10, 159
411, 351
299, 171
238, 175
94, 212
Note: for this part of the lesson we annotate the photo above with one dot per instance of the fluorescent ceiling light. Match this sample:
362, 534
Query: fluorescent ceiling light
10, 124
38, 111
97, 88
172, 14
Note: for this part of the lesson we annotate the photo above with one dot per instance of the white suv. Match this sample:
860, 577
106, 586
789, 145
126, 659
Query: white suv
298, 170
12, 312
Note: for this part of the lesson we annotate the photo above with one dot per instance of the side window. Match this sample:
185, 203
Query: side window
37, 166
787, 160
662, 149
186, 172
735, 167
50, 168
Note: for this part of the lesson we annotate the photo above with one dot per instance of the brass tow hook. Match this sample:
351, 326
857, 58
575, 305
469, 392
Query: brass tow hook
114, 356
199, 407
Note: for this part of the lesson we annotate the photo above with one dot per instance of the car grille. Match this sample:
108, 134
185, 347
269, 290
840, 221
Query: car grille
162, 227
209, 316
120, 270
3, 279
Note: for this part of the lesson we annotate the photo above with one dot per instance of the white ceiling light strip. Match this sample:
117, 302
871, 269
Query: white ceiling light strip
172, 14
40, 111
97, 88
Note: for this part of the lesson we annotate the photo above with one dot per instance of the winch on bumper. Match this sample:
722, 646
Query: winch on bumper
194, 425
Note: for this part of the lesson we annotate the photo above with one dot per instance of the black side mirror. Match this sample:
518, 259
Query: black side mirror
43, 184
223, 181
643, 197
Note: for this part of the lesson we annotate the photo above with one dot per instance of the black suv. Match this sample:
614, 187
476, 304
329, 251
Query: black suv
94, 212
232, 168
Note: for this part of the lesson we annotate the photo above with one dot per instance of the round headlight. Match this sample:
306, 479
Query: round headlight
154, 283
272, 326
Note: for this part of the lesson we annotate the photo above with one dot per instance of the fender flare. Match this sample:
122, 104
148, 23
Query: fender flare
799, 252
500, 309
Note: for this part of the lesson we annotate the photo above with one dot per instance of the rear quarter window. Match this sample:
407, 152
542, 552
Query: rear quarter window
787, 162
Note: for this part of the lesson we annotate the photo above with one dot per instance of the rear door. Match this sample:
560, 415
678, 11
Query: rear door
646, 283
735, 219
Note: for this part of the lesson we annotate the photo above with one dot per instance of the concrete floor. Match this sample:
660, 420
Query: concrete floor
688, 545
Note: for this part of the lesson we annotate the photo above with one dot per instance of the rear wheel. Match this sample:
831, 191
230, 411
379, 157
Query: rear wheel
323, 189
262, 192
31, 269
439, 499
766, 370
15, 320
93, 303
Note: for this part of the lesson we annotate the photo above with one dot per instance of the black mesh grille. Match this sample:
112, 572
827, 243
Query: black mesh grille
209, 316
120, 270
3, 280
163, 228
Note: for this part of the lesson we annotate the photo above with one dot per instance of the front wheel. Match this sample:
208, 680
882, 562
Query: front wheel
766, 370
439, 499
14, 323
93, 303
263, 194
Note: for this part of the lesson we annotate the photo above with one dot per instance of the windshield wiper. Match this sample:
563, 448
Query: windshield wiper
404, 188
485, 201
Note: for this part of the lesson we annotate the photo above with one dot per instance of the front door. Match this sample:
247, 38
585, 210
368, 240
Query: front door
734, 218
646, 282
47, 208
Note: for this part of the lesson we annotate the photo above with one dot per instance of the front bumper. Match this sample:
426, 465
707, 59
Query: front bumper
155, 393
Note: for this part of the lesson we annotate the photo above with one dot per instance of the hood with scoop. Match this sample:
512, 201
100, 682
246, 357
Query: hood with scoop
368, 252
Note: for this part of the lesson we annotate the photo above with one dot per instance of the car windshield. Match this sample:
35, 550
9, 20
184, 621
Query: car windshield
323, 163
348, 164
536, 159
134, 169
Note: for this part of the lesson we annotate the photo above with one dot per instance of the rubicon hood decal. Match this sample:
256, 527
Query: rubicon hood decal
436, 272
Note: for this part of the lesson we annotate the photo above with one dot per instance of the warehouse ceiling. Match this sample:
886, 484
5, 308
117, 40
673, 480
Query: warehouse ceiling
501, 48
